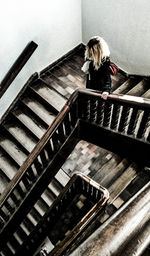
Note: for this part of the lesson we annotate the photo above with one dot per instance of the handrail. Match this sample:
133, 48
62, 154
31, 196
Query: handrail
119, 114
121, 98
17, 66
30, 159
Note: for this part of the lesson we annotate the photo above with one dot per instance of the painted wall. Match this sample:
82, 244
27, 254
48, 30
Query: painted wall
54, 25
125, 25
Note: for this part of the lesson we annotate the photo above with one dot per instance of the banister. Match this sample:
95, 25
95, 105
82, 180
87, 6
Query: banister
129, 99
121, 98
74, 104
37, 148
17, 66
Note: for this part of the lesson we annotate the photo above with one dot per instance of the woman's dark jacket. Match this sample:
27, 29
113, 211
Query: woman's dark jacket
99, 79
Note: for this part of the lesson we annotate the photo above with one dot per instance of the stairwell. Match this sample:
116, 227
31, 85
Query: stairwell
28, 120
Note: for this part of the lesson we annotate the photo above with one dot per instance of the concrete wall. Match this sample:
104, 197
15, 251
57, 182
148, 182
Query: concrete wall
125, 24
54, 25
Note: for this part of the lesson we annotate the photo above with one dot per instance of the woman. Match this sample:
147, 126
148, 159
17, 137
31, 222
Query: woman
97, 66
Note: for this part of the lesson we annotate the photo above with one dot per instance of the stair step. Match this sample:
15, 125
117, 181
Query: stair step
114, 173
13, 244
48, 197
7, 251
55, 83
108, 166
7, 166
41, 207
71, 75
3, 182
146, 94
13, 150
126, 86
62, 177
21, 136
39, 110
66, 78
36, 128
76, 67
20, 235
139, 89
25, 228
117, 81
53, 98
122, 182
34, 216
55, 187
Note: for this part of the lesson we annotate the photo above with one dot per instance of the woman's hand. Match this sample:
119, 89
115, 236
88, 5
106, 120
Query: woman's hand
104, 95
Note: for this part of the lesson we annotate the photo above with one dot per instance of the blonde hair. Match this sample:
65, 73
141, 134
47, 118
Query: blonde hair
97, 50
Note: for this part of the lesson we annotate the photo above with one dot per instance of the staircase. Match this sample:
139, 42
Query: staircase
26, 124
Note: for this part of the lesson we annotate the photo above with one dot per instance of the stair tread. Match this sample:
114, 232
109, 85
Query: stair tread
72, 75
108, 166
13, 150
48, 197
7, 166
55, 187
122, 182
49, 95
146, 94
66, 78
55, 83
30, 123
139, 89
39, 110
62, 177
127, 85
21, 136
3, 182
115, 172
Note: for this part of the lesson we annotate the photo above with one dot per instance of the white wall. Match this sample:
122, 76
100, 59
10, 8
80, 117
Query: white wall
125, 24
55, 25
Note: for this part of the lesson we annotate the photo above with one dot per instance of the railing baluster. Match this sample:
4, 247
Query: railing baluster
143, 125
107, 113
49, 149
100, 112
124, 119
93, 110
132, 123
86, 109
43, 157
115, 116
67, 125
74, 115
38, 166
30, 175
55, 142
61, 133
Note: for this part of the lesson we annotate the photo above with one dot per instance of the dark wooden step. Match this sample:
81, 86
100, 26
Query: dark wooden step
3, 182
117, 80
13, 150
57, 84
63, 76
21, 135
7, 166
39, 110
29, 122
53, 98
126, 86
139, 89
